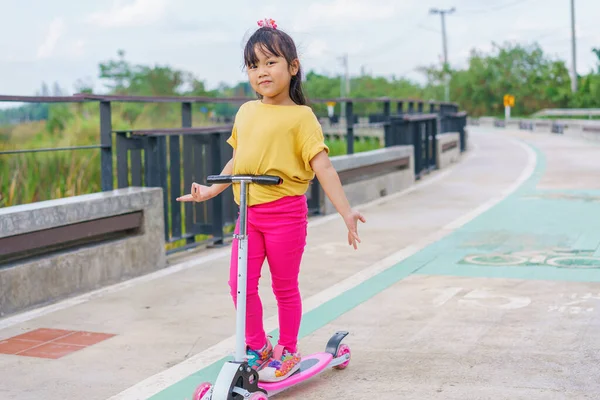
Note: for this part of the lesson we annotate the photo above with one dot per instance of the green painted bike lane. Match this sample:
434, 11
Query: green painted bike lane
547, 234
531, 234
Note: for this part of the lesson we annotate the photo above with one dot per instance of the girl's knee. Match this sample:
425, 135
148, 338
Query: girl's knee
286, 292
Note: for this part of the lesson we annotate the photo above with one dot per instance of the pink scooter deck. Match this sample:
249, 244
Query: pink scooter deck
309, 367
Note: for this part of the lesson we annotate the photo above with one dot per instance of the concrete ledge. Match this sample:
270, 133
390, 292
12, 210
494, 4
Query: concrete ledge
448, 149
69, 210
66, 269
586, 129
370, 175
373, 157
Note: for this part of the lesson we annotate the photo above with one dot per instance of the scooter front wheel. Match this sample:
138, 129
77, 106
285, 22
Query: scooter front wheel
201, 390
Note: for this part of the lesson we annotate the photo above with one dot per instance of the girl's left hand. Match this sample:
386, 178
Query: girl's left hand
351, 221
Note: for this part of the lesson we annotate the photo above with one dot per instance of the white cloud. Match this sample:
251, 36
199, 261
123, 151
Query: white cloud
54, 33
387, 36
78, 48
138, 13
352, 9
316, 48
346, 12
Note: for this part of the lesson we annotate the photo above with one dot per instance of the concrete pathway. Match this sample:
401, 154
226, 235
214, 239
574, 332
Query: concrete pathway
479, 282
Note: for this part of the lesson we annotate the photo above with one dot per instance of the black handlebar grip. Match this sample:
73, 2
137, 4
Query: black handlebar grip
257, 179
219, 178
267, 180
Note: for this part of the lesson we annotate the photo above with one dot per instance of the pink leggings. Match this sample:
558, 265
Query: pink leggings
277, 231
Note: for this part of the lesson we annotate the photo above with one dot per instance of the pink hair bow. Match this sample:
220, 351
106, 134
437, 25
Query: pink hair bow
268, 22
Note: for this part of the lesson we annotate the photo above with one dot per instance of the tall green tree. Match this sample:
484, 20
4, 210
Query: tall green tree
588, 87
536, 80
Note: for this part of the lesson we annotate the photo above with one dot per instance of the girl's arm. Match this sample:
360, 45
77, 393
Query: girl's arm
217, 188
332, 186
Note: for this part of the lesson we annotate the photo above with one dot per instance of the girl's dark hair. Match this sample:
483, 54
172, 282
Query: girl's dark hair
279, 44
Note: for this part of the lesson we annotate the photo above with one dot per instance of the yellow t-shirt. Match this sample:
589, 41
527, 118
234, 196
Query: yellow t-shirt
275, 140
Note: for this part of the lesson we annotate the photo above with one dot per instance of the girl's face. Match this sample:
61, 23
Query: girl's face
271, 77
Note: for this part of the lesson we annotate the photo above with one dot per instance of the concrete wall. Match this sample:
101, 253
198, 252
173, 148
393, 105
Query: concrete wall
39, 280
373, 185
450, 155
587, 130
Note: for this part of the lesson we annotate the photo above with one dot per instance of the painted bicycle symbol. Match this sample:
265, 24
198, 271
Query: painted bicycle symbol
554, 257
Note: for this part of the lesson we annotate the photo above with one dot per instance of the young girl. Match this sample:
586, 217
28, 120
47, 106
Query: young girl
277, 135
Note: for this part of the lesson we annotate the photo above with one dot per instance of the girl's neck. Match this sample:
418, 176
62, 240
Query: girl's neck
282, 99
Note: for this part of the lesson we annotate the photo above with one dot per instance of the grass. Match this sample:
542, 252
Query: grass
32, 177
339, 147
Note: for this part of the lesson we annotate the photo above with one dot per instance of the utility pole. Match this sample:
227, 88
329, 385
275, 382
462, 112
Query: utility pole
573, 50
444, 44
344, 84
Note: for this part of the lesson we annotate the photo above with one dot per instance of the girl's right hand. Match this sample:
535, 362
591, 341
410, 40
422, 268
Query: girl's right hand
199, 193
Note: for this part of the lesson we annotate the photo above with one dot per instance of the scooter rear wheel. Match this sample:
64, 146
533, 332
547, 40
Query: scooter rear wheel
342, 350
201, 390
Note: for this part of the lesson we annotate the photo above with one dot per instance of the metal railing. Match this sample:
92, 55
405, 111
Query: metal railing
169, 157
172, 156
418, 130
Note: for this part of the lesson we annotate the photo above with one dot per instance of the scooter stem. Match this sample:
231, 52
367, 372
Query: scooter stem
240, 331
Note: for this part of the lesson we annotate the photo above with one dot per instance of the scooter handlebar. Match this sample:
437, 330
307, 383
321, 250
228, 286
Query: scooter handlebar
258, 179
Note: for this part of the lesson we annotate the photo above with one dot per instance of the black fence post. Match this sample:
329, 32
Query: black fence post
349, 128
417, 142
314, 202
434, 129
188, 163
155, 170
463, 140
400, 107
106, 161
444, 118
386, 109
405, 134
387, 125
163, 172
229, 206
217, 220
122, 165
390, 131
151, 163
425, 130
176, 190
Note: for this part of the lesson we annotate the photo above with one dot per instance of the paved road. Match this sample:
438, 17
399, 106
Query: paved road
480, 282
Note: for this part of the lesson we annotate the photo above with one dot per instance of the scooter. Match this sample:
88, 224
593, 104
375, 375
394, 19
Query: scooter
236, 380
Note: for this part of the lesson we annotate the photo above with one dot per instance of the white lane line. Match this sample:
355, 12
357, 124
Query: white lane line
158, 382
203, 259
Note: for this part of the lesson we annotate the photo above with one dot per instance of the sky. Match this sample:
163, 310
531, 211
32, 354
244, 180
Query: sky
65, 40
